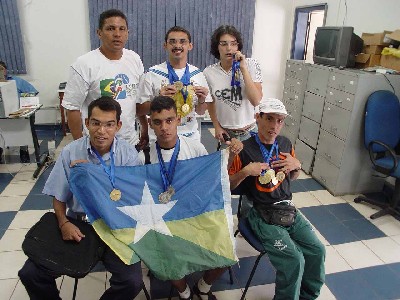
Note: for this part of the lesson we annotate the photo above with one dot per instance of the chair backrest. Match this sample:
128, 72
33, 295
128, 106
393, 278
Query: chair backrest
382, 120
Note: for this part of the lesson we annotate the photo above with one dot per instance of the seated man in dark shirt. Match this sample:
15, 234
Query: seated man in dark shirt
265, 169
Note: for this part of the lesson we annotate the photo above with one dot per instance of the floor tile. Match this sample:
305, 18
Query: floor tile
19, 292
346, 285
396, 238
6, 217
11, 203
7, 287
389, 225
318, 215
304, 199
11, 262
37, 202
385, 248
243, 249
365, 210
363, 229
91, 287
261, 292
334, 262
18, 189
26, 219
5, 179
358, 255
344, 212
326, 198
311, 184
326, 294
10, 168
382, 280
349, 198
12, 239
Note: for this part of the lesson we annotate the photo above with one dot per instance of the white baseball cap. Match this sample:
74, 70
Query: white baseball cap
272, 106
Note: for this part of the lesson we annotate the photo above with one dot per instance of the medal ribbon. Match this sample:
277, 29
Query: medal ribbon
173, 77
110, 170
167, 176
235, 68
266, 156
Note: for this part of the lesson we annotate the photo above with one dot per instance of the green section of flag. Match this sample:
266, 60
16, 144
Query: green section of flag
174, 257
125, 253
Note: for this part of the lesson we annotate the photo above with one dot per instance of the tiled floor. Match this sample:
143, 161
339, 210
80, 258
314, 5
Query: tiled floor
363, 255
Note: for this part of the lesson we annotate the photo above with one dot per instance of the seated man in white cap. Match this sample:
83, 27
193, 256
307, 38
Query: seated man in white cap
265, 169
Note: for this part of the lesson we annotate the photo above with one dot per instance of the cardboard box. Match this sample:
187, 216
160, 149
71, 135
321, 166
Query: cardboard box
375, 38
373, 49
390, 62
395, 35
367, 60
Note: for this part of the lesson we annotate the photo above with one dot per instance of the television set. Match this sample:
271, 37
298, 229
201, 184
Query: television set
336, 46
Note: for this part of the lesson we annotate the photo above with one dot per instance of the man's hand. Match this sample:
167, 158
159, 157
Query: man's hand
286, 165
239, 56
255, 168
168, 91
219, 131
235, 146
201, 93
70, 232
143, 142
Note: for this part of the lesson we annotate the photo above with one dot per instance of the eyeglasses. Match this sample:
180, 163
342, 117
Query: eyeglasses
173, 42
226, 43
97, 125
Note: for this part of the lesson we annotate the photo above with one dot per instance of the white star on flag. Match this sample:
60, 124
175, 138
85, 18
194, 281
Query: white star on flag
148, 215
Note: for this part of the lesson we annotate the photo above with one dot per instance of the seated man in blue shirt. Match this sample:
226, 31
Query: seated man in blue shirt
103, 123
24, 88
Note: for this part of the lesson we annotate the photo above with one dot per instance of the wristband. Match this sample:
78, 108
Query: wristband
64, 223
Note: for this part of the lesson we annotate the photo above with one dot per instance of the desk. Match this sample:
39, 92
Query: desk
20, 132
63, 122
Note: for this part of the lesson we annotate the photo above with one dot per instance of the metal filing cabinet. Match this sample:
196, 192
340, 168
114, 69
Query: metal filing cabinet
313, 106
296, 74
342, 163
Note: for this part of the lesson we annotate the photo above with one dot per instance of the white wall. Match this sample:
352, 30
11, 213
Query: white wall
55, 33
272, 36
364, 16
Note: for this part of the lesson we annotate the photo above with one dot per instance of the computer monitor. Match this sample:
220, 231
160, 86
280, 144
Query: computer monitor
336, 46
9, 100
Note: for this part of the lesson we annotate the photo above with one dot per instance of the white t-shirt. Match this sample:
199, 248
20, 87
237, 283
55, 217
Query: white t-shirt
157, 77
93, 75
189, 148
233, 110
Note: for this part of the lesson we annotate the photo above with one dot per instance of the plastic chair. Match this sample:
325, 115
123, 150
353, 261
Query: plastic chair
382, 135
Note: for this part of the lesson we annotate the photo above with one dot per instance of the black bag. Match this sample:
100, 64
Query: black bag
44, 245
278, 214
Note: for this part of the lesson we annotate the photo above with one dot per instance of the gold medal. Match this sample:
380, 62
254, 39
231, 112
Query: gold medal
178, 85
190, 89
115, 195
264, 179
185, 108
280, 176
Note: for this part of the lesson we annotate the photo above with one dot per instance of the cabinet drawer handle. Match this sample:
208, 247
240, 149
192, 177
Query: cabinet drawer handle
340, 101
327, 155
323, 179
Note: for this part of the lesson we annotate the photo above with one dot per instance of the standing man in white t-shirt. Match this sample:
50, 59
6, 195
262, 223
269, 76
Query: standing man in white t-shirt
235, 85
179, 80
110, 70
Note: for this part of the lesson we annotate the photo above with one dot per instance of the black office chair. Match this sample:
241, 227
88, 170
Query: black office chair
382, 135
248, 234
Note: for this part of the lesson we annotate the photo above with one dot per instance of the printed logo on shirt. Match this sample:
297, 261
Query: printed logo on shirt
280, 245
232, 97
115, 88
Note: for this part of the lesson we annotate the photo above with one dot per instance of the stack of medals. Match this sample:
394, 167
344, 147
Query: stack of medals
235, 81
167, 176
269, 175
115, 194
184, 97
184, 91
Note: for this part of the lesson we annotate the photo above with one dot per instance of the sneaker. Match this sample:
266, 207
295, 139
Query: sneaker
197, 292
190, 297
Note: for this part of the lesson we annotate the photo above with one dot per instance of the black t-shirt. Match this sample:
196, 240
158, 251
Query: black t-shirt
251, 187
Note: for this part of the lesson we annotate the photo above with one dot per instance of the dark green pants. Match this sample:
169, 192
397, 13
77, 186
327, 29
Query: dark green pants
297, 255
